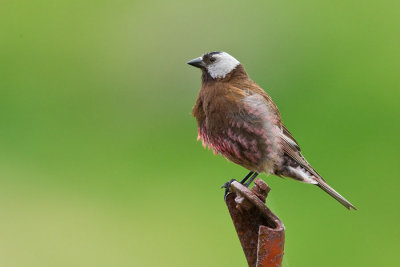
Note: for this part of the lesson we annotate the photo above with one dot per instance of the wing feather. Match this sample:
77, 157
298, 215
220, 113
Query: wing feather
292, 149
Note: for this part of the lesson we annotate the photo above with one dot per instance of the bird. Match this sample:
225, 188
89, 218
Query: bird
237, 119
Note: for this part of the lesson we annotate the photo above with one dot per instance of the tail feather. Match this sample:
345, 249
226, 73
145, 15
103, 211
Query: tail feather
324, 186
306, 174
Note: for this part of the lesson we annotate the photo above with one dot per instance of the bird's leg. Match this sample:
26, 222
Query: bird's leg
251, 179
247, 177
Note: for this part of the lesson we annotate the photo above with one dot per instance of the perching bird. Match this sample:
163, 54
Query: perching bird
238, 120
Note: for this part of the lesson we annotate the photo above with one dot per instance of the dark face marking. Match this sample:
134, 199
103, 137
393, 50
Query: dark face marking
208, 58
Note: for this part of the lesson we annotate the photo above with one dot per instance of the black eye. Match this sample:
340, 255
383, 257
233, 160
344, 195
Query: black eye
212, 59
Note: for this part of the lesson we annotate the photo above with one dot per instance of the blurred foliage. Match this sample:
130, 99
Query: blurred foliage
99, 164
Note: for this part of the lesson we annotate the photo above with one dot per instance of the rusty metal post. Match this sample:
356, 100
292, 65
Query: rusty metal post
261, 233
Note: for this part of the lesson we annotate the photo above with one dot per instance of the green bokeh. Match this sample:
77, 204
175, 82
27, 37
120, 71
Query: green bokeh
99, 164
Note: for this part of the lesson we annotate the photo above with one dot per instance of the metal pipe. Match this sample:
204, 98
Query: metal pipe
261, 233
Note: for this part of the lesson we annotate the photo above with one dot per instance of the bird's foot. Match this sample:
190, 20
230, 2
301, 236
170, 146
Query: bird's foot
246, 181
227, 186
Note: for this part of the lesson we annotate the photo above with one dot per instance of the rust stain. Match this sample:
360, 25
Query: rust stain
261, 233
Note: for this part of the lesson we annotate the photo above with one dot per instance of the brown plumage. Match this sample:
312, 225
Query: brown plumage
239, 120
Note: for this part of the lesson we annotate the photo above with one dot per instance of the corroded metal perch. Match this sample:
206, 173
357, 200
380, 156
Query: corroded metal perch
260, 232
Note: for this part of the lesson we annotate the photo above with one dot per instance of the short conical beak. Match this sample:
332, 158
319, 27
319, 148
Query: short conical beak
197, 62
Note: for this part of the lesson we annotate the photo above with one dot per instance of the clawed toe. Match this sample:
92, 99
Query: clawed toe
227, 186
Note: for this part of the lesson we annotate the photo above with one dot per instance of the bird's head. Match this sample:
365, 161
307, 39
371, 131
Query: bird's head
216, 64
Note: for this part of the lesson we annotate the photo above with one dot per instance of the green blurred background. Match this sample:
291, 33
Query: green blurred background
99, 164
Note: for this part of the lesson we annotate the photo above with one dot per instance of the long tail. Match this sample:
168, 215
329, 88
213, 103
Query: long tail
298, 168
324, 186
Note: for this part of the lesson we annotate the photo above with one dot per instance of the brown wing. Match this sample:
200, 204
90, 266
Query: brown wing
289, 144
292, 149
290, 136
